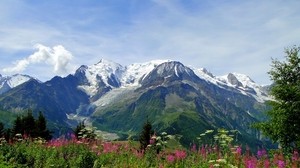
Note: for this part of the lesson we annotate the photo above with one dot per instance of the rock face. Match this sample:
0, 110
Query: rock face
233, 80
175, 98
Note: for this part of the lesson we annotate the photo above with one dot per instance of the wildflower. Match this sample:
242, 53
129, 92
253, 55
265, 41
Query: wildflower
221, 161
295, 156
250, 164
180, 154
239, 150
261, 153
152, 141
194, 148
170, 158
281, 164
266, 163
163, 133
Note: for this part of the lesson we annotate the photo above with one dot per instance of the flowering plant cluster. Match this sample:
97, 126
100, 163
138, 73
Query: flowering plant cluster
73, 152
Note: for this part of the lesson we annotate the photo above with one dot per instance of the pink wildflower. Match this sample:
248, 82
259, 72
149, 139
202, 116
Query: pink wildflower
180, 154
194, 148
295, 156
266, 163
110, 147
250, 164
281, 164
170, 158
261, 153
239, 150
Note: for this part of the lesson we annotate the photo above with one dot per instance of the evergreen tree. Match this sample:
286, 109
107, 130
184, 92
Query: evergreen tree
18, 126
7, 134
29, 124
145, 135
78, 130
41, 128
30, 127
283, 125
1, 129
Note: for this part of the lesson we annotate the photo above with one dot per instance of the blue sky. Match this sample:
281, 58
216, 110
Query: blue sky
48, 38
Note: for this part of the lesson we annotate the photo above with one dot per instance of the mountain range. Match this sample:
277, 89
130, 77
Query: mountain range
175, 98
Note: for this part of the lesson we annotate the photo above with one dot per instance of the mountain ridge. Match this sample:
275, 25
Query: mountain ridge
118, 98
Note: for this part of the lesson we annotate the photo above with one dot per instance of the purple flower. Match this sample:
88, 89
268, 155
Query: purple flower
239, 150
170, 158
281, 164
261, 153
250, 164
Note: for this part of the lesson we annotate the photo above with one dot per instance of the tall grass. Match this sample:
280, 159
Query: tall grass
97, 153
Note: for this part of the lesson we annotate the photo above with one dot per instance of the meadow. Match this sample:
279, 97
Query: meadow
88, 153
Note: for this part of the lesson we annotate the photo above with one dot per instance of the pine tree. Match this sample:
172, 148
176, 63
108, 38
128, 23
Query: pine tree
18, 126
1, 129
78, 130
41, 127
29, 124
283, 125
145, 135
7, 134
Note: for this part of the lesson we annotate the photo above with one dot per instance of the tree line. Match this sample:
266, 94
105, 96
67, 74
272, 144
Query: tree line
27, 127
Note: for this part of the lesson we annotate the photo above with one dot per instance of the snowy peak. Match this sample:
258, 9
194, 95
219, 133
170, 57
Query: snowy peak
245, 85
237, 79
232, 79
9, 82
168, 72
172, 67
103, 74
109, 75
136, 72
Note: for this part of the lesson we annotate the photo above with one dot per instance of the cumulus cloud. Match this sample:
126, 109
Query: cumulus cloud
57, 57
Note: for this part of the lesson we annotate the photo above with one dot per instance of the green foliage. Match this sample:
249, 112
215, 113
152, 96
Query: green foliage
283, 125
145, 135
30, 127
41, 127
1, 129
83, 132
93, 154
78, 128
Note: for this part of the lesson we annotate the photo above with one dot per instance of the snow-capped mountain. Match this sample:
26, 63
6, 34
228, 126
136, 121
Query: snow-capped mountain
136, 72
104, 73
113, 75
9, 82
119, 98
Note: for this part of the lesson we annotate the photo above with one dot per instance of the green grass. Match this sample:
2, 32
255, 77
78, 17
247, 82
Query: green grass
97, 153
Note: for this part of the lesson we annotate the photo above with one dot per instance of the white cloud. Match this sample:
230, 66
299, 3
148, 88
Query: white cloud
57, 57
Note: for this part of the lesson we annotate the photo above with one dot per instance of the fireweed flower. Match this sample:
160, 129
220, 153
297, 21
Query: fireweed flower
194, 148
170, 158
295, 156
180, 154
239, 150
261, 153
266, 163
281, 164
